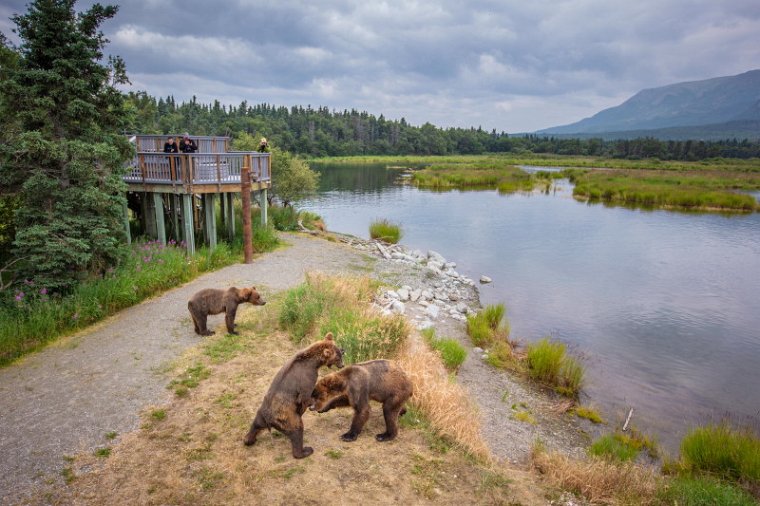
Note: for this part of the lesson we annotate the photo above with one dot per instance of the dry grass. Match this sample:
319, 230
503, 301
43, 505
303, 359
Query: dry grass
448, 407
193, 453
599, 481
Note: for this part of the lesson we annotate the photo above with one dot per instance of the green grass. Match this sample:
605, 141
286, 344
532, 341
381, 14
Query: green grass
148, 268
685, 190
338, 305
451, 351
623, 446
158, 414
615, 448
549, 363
588, 413
103, 452
703, 491
501, 356
385, 231
190, 378
487, 326
722, 451
467, 174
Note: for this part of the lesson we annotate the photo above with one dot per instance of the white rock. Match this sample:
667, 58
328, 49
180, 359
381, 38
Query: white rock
462, 307
485, 279
433, 271
441, 295
451, 265
414, 295
398, 255
434, 255
435, 265
407, 288
477, 349
453, 296
403, 294
432, 311
398, 307
426, 295
392, 294
423, 303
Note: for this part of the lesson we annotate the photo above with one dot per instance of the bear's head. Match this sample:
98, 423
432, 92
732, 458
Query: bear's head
331, 355
252, 296
327, 389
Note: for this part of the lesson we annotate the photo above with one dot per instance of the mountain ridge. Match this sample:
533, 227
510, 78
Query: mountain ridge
709, 102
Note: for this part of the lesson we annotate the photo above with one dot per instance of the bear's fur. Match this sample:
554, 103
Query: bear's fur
380, 380
290, 394
215, 301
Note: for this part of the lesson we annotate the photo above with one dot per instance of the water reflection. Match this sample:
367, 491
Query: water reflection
664, 306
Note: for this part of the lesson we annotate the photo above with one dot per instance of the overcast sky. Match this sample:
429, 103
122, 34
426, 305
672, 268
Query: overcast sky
511, 65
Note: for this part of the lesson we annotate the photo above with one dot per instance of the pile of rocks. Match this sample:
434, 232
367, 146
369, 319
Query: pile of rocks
441, 291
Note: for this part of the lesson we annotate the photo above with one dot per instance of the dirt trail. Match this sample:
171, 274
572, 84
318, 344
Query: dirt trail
63, 400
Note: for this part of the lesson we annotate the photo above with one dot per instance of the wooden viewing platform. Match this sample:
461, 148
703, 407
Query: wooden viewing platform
181, 187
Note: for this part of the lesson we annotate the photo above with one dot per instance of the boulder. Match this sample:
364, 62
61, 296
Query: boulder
432, 311
435, 256
485, 279
398, 307
403, 294
414, 295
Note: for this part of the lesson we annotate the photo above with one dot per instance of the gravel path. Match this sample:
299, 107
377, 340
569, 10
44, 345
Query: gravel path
66, 398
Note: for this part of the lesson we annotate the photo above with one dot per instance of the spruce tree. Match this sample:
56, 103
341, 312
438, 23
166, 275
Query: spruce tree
63, 154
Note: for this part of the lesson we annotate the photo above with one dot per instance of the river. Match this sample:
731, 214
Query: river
662, 306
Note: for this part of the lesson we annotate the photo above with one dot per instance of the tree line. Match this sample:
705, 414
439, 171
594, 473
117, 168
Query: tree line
322, 132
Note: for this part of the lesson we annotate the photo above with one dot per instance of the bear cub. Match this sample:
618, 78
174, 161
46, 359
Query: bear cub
215, 301
290, 394
379, 380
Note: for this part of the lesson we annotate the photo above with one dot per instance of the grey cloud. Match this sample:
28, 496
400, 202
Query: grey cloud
510, 65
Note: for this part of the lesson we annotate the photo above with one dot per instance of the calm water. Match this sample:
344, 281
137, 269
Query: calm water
663, 306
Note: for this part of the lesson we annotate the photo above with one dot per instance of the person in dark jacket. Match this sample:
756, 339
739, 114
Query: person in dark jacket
188, 145
170, 146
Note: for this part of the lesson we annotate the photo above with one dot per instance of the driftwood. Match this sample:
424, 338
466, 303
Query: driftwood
630, 414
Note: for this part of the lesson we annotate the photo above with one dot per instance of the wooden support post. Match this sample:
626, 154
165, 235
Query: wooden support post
187, 222
126, 222
175, 200
245, 190
144, 211
230, 219
209, 210
158, 211
222, 206
263, 202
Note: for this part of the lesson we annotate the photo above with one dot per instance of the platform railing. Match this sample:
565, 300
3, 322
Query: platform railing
196, 168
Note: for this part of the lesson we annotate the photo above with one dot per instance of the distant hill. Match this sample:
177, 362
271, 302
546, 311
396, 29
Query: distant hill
718, 108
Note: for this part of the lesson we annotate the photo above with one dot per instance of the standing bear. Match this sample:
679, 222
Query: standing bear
290, 394
214, 301
379, 380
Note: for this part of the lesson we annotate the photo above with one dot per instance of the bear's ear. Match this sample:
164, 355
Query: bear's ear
329, 336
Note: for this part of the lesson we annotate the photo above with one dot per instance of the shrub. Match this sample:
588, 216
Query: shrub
724, 451
385, 231
501, 355
284, 218
494, 314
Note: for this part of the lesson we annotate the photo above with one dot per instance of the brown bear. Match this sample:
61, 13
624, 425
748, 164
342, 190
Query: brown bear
214, 301
379, 380
290, 394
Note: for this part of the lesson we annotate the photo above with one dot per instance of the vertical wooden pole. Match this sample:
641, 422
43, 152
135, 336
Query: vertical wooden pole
230, 209
245, 190
187, 221
209, 208
263, 202
158, 211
